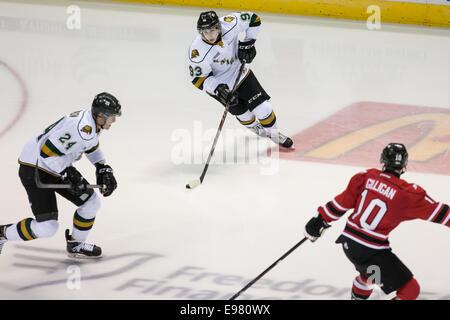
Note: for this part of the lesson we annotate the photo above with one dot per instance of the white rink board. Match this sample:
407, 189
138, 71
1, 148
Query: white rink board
161, 241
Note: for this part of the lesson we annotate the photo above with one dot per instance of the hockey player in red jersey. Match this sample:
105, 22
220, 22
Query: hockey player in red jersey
381, 201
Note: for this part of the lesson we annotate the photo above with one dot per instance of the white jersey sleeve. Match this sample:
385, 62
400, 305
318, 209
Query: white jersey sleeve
249, 23
95, 155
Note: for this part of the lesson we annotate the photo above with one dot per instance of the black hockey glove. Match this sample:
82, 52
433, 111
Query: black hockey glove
247, 50
315, 227
225, 95
72, 176
105, 177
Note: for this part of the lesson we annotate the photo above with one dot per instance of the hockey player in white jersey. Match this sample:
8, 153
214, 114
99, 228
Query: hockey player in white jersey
214, 62
52, 153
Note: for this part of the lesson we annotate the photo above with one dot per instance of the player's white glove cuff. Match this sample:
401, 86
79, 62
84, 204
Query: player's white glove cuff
310, 237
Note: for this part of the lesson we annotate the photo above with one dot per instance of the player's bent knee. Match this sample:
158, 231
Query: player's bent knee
45, 229
410, 291
263, 110
90, 208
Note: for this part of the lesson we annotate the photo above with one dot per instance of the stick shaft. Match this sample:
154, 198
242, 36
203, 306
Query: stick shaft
222, 121
202, 176
268, 269
65, 186
41, 185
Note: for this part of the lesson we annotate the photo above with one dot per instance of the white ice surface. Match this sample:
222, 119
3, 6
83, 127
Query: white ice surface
160, 240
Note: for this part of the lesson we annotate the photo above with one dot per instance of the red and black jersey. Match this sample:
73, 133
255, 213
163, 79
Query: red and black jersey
381, 201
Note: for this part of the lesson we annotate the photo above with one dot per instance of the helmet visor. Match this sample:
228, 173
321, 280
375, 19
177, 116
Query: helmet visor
210, 34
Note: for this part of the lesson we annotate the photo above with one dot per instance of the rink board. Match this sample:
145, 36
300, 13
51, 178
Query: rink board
429, 13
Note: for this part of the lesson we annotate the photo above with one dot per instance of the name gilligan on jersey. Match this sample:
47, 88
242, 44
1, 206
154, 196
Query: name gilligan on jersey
381, 188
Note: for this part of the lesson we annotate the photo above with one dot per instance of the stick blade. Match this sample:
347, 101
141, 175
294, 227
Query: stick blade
193, 184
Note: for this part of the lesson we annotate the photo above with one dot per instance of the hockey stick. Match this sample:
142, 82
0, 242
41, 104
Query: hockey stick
268, 269
41, 185
194, 183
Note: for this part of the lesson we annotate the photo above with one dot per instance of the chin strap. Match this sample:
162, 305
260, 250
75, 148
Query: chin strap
219, 38
96, 117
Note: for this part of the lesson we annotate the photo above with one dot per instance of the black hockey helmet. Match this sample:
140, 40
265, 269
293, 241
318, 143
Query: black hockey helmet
394, 156
208, 20
106, 104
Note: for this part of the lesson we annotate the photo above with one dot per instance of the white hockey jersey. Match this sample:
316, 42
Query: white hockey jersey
63, 143
213, 64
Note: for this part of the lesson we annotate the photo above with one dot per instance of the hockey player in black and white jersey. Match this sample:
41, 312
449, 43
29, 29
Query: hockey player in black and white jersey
52, 153
214, 62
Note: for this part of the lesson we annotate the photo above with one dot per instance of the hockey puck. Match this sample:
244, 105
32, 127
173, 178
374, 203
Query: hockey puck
188, 186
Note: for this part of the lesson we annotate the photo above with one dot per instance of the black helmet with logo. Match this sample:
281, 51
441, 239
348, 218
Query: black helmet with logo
394, 156
106, 104
208, 20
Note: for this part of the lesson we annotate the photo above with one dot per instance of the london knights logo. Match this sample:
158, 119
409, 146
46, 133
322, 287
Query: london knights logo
87, 129
194, 54
228, 19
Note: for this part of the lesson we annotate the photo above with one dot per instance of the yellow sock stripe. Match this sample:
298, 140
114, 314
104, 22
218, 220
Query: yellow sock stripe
246, 123
81, 223
24, 229
268, 120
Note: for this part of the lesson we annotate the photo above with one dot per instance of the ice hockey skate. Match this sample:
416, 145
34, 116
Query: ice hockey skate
277, 137
3, 239
259, 130
81, 250
283, 140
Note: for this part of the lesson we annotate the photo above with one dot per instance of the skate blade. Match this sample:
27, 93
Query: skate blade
2, 243
284, 149
78, 256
